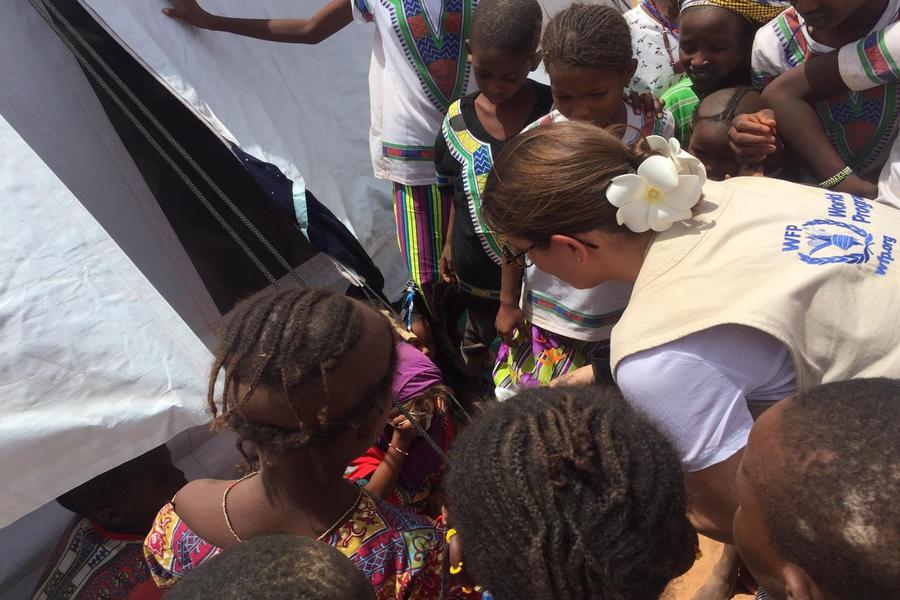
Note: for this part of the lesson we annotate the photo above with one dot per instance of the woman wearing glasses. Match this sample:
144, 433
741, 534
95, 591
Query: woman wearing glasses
744, 291
549, 328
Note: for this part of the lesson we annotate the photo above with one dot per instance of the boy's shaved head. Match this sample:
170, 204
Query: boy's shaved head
819, 485
726, 103
276, 567
513, 26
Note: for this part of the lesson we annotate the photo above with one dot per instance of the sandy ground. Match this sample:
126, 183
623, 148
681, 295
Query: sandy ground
684, 587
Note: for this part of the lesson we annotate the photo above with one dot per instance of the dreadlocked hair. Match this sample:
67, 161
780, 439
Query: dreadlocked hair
584, 497
513, 26
590, 36
283, 340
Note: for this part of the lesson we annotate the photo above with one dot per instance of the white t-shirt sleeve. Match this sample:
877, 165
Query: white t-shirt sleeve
872, 61
766, 62
696, 388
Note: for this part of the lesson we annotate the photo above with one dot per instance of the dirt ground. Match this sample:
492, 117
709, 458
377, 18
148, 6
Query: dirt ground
684, 587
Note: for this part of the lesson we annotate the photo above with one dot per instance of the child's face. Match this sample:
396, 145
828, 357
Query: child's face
709, 143
713, 45
583, 94
825, 15
499, 74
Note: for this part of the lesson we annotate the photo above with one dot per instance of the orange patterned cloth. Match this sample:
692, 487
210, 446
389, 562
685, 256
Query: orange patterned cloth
402, 554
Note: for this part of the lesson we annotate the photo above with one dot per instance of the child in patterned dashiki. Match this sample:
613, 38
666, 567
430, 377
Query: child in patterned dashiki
871, 62
418, 70
654, 40
548, 327
503, 50
100, 556
588, 490
860, 124
709, 134
307, 379
275, 567
402, 467
716, 39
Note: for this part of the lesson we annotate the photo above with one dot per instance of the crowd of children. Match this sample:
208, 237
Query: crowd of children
521, 271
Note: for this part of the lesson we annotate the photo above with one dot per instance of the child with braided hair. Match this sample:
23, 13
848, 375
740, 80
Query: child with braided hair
307, 376
567, 493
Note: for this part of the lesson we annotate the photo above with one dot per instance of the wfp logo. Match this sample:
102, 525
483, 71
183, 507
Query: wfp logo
827, 242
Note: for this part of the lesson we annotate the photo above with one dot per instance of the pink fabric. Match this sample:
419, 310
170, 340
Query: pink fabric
415, 374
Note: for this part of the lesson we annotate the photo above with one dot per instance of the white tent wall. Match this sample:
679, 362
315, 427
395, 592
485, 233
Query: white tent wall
95, 365
75, 303
302, 108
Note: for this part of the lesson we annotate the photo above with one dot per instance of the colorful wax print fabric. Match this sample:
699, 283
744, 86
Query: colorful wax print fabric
401, 553
418, 70
90, 563
861, 125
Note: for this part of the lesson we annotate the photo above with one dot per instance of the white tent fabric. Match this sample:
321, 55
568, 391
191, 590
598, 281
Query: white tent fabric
302, 108
95, 365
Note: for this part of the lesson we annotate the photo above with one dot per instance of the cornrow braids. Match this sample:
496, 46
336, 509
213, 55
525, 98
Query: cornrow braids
512, 26
284, 340
569, 493
590, 36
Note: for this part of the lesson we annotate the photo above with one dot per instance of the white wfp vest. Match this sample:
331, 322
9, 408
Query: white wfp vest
813, 268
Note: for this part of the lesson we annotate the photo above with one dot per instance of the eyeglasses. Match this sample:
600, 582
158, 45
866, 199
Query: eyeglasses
517, 258
520, 258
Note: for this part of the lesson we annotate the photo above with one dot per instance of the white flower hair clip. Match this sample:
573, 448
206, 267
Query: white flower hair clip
664, 190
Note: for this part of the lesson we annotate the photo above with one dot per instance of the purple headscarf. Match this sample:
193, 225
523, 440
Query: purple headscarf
415, 374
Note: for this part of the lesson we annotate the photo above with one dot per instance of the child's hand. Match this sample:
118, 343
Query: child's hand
404, 431
581, 376
446, 265
646, 103
510, 320
752, 136
189, 12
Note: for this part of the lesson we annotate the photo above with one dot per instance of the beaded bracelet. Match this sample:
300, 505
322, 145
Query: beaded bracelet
836, 178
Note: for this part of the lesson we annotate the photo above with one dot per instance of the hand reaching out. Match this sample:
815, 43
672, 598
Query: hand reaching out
188, 11
510, 319
646, 103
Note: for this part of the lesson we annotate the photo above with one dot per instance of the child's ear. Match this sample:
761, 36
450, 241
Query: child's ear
468, 51
536, 59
